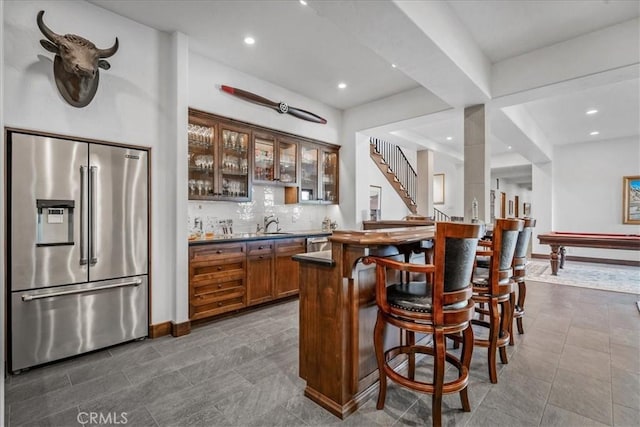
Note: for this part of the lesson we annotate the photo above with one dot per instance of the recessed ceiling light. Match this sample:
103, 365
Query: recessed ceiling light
594, 133
302, 2
508, 147
590, 112
449, 138
249, 40
342, 85
393, 65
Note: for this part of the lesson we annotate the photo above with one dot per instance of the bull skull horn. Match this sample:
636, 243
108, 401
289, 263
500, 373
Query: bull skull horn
46, 30
106, 53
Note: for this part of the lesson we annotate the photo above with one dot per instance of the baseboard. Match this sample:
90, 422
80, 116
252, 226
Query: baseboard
159, 329
180, 329
169, 328
593, 260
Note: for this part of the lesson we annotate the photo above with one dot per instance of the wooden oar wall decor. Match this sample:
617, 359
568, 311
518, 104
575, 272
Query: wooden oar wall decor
280, 107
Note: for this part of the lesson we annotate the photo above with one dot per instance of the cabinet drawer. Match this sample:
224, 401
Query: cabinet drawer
291, 246
217, 278
208, 270
216, 252
216, 306
214, 292
263, 247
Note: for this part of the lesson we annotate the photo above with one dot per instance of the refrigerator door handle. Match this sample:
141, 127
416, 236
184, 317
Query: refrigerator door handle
92, 220
83, 216
27, 297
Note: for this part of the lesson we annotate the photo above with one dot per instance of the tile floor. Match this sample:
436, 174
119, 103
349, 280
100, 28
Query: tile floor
577, 364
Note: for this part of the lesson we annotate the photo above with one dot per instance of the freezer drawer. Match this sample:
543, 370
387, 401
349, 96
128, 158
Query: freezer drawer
54, 323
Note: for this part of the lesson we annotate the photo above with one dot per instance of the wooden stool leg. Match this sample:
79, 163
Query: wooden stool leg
522, 293
512, 300
465, 361
494, 324
438, 376
411, 341
506, 320
378, 343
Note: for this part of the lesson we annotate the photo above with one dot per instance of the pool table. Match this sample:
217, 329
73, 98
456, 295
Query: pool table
558, 241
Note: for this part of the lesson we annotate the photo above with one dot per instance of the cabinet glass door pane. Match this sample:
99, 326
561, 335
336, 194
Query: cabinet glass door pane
234, 164
309, 178
329, 177
201, 161
287, 160
264, 159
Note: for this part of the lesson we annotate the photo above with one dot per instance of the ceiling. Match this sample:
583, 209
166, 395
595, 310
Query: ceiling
303, 51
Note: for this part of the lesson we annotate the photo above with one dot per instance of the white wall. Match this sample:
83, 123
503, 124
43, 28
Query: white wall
453, 172
587, 184
130, 105
354, 155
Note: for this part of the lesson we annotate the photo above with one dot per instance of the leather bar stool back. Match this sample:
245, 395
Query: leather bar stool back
519, 273
439, 304
493, 288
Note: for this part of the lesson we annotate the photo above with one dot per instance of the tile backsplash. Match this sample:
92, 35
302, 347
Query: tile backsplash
265, 201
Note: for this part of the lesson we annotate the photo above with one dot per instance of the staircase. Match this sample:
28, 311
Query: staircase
396, 168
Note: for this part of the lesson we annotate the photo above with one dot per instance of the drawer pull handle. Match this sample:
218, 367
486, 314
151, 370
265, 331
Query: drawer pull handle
219, 304
219, 286
218, 251
219, 268
260, 247
260, 257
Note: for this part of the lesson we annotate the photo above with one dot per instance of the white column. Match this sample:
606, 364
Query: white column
424, 190
477, 167
179, 104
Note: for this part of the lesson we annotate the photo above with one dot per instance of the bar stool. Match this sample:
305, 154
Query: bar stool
519, 274
494, 286
439, 307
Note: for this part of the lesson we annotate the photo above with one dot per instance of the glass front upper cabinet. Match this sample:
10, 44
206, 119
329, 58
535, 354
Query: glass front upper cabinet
218, 162
309, 173
319, 174
329, 182
234, 166
274, 159
202, 161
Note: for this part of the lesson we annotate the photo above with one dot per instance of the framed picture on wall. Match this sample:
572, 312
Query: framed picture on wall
438, 189
510, 207
631, 200
527, 209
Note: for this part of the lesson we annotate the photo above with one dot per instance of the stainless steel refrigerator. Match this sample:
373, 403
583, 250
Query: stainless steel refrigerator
77, 247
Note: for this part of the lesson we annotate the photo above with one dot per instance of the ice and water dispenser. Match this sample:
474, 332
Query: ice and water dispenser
55, 222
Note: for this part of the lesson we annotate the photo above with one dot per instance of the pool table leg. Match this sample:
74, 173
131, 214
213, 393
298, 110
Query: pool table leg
554, 259
563, 251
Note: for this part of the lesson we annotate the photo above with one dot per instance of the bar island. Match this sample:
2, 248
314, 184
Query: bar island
338, 313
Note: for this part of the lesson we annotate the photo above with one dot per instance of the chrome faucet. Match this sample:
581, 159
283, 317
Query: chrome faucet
268, 220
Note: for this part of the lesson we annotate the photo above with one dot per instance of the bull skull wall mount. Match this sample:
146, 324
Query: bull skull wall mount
75, 67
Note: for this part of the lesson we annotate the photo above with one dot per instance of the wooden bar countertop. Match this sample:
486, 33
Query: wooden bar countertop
385, 236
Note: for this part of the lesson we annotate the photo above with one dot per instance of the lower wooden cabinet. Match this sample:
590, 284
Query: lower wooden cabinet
217, 279
225, 277
260, 271
287, 281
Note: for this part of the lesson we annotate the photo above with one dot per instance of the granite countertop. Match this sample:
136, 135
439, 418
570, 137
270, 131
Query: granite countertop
320, 257
242, 237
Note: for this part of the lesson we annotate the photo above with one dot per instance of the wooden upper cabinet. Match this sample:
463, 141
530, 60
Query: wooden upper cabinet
234, 166
218, 159
275, 159
319, 174
226, 157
